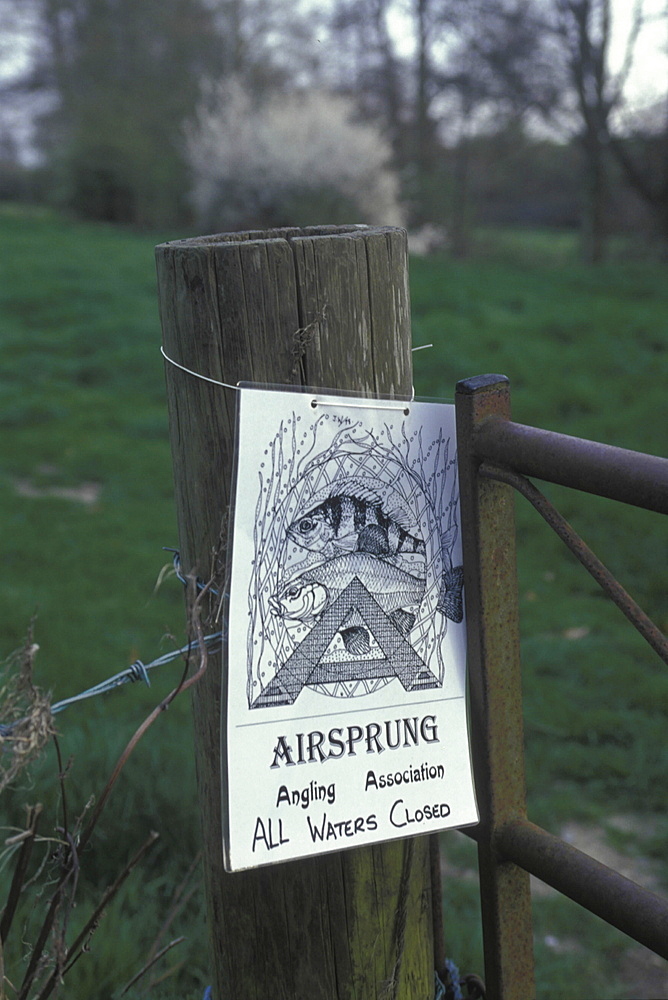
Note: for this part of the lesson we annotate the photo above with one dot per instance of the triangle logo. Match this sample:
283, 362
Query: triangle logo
354, 640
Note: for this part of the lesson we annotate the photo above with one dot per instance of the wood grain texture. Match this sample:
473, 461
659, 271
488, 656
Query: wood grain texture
326, 307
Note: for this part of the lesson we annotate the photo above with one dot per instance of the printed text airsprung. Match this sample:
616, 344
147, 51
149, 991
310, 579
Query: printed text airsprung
374, 737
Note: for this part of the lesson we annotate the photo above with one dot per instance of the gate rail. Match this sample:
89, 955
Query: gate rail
496, 454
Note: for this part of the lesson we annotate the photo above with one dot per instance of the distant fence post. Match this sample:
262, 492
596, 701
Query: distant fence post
326, 307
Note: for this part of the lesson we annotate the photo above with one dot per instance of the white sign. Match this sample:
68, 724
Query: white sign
346, 718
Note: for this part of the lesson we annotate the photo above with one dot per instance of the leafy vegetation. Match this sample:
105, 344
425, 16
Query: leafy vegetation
86, 501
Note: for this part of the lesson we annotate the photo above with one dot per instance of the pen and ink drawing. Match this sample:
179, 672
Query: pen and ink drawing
355, 575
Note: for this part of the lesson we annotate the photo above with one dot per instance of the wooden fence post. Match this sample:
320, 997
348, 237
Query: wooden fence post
326, 307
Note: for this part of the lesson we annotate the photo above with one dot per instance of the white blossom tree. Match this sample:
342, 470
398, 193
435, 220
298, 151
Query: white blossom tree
293, 159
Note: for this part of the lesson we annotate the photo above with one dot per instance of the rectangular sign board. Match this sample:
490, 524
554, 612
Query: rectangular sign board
345, 718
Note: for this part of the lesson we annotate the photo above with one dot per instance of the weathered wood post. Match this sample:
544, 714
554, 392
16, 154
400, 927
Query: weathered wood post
323, 307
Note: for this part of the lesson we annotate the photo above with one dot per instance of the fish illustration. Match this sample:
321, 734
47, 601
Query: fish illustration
353, 519
356, 640
306, 597
450, 599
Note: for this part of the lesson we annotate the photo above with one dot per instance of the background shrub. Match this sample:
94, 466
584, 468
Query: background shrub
295, 159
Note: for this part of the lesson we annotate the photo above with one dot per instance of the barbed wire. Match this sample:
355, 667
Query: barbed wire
137, 671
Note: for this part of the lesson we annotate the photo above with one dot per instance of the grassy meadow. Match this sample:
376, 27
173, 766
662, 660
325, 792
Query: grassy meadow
86, 507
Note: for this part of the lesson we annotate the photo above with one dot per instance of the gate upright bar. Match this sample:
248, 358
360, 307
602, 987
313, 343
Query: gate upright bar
488, 535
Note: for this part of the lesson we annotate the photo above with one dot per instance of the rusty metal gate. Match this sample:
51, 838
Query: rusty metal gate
496, 454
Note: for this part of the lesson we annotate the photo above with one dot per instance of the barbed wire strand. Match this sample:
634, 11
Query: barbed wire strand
137, 671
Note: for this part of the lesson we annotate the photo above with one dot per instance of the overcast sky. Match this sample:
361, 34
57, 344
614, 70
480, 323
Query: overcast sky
649, 77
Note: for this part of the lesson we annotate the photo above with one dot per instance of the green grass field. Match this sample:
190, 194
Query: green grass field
86, 506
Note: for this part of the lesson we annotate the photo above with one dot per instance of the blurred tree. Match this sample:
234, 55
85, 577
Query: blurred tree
642, 153
498, 71
266, 44
518, 179
442, 76
118, 79
123, 77
384, 60
367, 66
127, 76
583, 32
430, 22
436, 75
